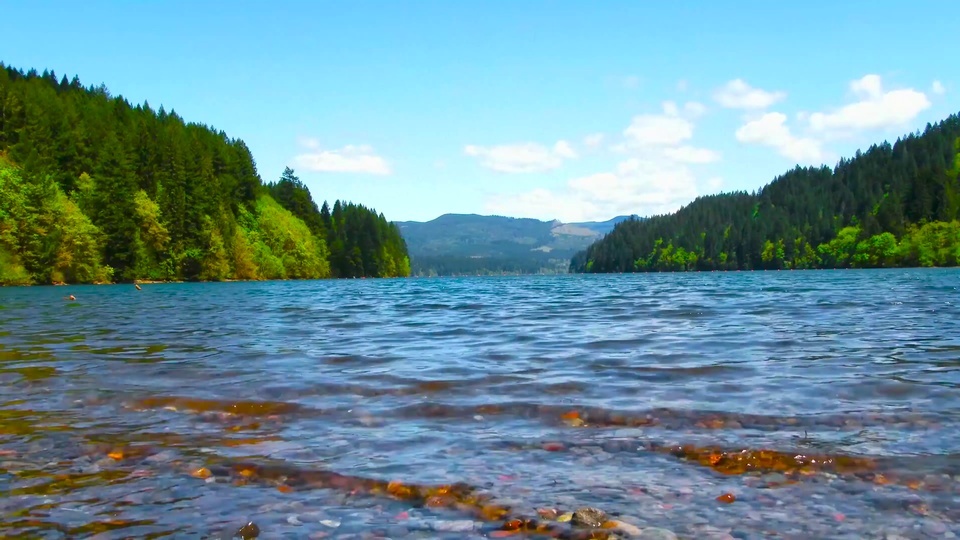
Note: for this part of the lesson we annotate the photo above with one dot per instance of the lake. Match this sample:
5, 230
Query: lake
719, 405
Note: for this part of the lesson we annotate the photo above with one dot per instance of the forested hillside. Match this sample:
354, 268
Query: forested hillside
360, 242
94, 189
893, 205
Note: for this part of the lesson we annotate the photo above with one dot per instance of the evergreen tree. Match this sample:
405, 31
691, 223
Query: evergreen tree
893, 205
94, 189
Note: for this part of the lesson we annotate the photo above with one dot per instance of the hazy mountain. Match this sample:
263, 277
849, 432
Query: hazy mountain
472, 244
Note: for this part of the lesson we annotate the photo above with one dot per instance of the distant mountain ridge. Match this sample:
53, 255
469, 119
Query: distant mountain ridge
476, 244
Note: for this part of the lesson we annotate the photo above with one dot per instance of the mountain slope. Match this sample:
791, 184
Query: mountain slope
475, 244
893, 205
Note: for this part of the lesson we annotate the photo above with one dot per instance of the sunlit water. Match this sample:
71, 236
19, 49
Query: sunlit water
138, 414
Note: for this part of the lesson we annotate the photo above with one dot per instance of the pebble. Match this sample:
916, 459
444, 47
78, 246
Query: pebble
934, 527
656, 533
250, 530
774, 480
588, 517
628, 529
332, 523
453, 526
164, 456
294, 520
279, 507
547, 513
397, 531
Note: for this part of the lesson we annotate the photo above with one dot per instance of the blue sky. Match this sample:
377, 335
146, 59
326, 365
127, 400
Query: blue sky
547, 109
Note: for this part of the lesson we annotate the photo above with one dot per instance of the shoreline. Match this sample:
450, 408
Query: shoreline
165, 282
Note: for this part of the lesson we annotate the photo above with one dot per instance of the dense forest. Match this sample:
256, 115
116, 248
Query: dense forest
94, 190
893, 205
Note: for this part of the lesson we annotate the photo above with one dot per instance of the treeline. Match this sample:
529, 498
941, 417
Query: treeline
893, 205
94, 189
361, 243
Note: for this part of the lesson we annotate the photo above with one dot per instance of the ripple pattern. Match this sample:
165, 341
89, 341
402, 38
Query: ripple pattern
824, 403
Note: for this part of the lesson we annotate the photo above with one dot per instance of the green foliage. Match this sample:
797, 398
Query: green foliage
79, 244
363, 243
878, 251
293, 195
44, 236
894, 205
94, 189
289, 249
11, 271
932, 244
839, 252
244, 261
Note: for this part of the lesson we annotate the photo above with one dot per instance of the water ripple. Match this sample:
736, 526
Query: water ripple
646, 395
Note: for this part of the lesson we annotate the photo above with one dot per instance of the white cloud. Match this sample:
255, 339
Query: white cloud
544, 204
308, 142
670, 108
691, 109
642, 186
631, 82
658, 129
666, 132
564, 150
694, 109
351, 158
690, 154
594, 140
875, 109
654, 177
737, 94
771, 130
522, 157
868, 86
682, 85
938, 88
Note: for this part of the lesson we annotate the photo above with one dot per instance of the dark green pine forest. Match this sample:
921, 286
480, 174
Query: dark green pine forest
96, 190
892, 206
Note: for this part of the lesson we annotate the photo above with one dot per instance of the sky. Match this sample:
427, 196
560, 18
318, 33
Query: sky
569, 110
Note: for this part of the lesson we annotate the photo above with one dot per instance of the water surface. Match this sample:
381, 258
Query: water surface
826, 403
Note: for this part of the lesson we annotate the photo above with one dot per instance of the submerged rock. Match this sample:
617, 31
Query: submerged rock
250, 530
628, 529
588, 517
453, 526
656, 533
